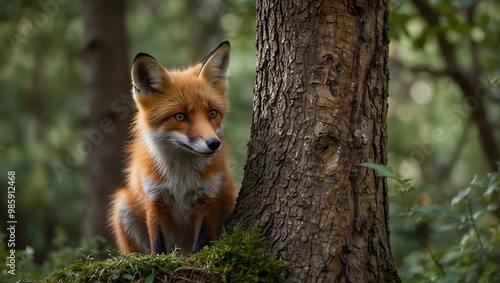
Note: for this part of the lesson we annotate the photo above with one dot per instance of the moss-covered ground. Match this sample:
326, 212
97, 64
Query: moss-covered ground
237, 257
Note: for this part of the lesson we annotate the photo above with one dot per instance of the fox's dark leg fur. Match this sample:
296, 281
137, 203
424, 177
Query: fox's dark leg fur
203, 238
159, 243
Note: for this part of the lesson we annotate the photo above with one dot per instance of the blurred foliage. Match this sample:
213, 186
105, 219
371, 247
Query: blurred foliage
64, 252
431, 138
41, 78
464, 244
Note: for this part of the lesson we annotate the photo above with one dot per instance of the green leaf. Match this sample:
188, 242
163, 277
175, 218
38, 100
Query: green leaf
492, 207
424, 213
477, 181
394, 189
484, 19
399, 23
478, 213
127, 276
382, 170
150, 278
494, 81
460, 196
408, 188
493, 183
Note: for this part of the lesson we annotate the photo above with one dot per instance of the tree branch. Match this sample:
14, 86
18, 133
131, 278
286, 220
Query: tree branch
475, 61
468, 81
458, 149
418, 69
447, 49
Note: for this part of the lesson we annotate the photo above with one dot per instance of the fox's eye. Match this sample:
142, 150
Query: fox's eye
213, 114
181, 117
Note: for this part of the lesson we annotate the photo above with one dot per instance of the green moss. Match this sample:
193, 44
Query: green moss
238, 257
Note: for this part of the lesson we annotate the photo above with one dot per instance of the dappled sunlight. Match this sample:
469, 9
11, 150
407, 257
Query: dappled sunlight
421, 92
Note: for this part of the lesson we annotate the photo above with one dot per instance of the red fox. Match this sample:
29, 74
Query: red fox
179, 186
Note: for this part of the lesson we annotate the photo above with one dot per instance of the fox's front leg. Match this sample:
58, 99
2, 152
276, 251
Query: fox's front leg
158, 226
127, 222
207, 221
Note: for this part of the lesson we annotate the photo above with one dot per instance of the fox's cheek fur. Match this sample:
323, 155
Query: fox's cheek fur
182, 142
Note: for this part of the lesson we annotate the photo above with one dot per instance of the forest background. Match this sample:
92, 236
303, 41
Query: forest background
435, 135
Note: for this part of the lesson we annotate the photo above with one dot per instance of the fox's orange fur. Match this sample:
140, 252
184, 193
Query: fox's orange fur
179, 185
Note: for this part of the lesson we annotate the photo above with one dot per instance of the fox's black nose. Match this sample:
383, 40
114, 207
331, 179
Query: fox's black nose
213, 143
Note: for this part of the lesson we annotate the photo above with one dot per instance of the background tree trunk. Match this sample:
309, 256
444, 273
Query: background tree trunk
106, 83
320, 109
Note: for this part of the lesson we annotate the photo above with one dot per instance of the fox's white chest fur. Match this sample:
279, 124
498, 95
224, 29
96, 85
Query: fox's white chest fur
182, 189
183, 185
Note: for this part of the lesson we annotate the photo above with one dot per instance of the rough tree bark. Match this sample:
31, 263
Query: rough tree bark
106, 116
320, 110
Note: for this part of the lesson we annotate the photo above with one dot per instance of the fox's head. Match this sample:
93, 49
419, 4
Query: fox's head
182, 110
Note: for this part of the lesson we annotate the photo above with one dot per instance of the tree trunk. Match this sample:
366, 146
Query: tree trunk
320, 109
107, 114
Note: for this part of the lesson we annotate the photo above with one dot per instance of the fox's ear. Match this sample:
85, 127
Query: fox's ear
148, 75
215, 65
